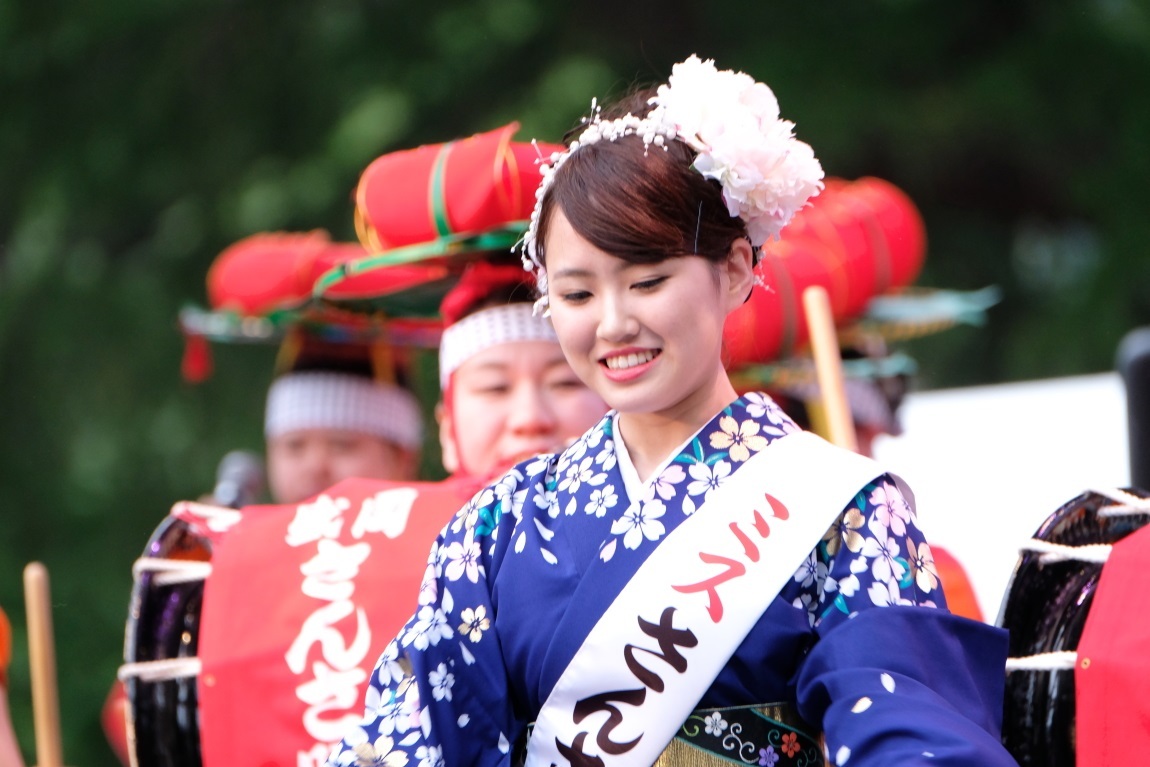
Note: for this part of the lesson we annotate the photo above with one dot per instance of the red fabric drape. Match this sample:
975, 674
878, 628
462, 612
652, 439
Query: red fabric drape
1112, 677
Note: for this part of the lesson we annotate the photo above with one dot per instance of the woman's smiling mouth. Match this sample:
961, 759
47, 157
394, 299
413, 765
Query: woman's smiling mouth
630, 360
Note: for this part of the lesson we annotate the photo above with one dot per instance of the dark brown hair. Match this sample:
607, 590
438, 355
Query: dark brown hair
640, 203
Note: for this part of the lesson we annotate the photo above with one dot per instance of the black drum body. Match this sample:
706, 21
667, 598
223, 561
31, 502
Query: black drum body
163, 623
1045, 610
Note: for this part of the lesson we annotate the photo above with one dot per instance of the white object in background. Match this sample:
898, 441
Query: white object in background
988, 464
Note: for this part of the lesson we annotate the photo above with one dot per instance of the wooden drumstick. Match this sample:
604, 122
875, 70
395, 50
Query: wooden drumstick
829, 366
42, 662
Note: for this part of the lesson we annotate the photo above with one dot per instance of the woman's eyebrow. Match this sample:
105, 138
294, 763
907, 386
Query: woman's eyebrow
622, 266
556, 362
571, 271
495, 365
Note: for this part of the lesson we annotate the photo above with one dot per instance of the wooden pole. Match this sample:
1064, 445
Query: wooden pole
42, 661
829, 366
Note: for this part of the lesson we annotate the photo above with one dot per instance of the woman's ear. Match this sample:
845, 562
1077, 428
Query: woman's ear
447, 449
740, 273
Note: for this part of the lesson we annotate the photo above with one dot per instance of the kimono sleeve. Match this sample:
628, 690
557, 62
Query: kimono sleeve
908, 685
438, 694
893, 677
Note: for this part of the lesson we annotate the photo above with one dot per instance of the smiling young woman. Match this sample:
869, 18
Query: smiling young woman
695, 580
623, 328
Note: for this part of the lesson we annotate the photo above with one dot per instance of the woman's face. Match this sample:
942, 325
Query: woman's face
646, 337
305, 462
510, 402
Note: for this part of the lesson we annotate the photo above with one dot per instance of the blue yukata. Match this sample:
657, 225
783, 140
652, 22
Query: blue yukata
859, 642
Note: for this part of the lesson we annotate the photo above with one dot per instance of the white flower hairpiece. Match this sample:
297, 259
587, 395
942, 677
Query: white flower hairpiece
733, 124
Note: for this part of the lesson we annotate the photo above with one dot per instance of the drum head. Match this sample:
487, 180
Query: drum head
1045, 610
163, 623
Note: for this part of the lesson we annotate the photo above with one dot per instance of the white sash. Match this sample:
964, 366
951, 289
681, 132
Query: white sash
630, 687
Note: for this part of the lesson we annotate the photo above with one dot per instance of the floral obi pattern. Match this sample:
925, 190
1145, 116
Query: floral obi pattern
770, 735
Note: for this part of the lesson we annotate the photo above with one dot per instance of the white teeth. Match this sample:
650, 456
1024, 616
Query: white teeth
630, 360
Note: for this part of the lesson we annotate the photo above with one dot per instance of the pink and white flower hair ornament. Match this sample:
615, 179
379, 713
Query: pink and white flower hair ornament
732, 122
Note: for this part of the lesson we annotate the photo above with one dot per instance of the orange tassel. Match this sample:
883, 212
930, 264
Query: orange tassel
289, 351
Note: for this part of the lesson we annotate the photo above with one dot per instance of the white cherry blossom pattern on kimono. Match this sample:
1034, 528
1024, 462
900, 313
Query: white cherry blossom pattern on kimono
922, 565
388, 668
601, 501
589, 443
474, 622
430, 756
739, 439
442, 681
510, 493
761, 406
885, 593
845, 533
664, 484
463, 559
534, 526
891, 509
883, 550
468, 516
379, 753
707, 477
395, 712
812, 571
640, 522
430, 626
582, 473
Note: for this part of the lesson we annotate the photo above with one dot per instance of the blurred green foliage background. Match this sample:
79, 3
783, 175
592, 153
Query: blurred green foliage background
140, 137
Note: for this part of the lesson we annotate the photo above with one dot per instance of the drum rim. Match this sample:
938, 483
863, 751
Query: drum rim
185, 602
1077, 522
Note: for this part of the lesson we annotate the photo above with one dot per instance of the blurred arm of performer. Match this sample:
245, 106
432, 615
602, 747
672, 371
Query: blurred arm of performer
507, 390
9, 748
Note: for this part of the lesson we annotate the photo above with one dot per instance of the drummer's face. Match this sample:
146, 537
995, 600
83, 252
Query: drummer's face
510, 402
305, 462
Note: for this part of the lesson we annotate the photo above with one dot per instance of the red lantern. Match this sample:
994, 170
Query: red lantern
276, 271
438, 193
857, 239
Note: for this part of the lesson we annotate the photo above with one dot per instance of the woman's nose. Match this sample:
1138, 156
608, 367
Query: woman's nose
616, 324
531, 412
316, 461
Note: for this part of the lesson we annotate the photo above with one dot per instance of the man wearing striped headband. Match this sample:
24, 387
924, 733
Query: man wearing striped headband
327, 421
508, 391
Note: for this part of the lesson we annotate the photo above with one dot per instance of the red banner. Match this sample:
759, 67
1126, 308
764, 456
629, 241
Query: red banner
301, 601
1112, 696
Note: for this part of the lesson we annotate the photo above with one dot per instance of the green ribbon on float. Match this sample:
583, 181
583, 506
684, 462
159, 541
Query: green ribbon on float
502, 238
437, 191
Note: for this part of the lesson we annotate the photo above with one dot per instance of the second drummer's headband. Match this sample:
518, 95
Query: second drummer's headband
485, 329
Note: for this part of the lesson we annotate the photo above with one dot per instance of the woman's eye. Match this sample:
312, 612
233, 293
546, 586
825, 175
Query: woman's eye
576, 296
650, 284
567, 383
